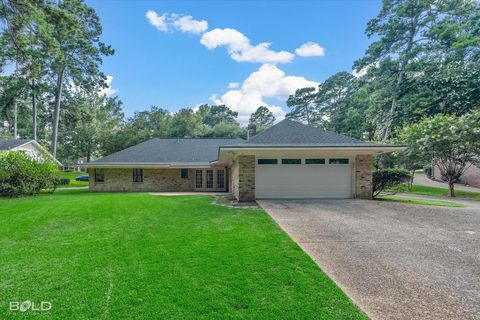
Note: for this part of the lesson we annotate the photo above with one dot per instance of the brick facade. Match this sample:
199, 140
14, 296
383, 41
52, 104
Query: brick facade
363, 176
243, 178
159, 180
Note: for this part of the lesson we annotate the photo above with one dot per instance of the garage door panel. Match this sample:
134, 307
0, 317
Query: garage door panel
302, 181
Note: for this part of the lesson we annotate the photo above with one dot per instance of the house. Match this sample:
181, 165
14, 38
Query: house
470, 177
30, 146
288, 160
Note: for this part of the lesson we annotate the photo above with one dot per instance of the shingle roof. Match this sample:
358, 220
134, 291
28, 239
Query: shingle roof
9, 144
288, 133
169, 151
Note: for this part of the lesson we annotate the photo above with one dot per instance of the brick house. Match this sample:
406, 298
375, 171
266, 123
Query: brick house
288, 160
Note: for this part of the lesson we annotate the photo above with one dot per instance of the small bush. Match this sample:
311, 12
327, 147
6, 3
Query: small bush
62, 181
22, 175
389, 179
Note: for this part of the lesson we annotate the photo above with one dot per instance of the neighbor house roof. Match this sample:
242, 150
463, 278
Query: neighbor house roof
288, 133
12, 144
168, 151
9, 144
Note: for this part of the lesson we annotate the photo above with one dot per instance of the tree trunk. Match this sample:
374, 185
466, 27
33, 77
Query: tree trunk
410, 181
34, 112
15, 119
451, 191
400, 79
56, 116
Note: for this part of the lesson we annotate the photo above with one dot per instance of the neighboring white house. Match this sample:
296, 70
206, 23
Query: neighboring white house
30, 146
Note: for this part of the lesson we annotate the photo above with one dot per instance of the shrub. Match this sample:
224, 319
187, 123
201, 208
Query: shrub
389, 179
62, 181
22, 175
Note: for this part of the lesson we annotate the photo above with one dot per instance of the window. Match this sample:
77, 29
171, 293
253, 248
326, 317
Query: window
267, 161
137, 175
291, 161
199, 179
184, 173
338, 161
209, 179
220, 179
314, 161
99, 175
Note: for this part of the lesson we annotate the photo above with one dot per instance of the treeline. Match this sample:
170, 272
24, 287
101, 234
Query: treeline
202, 122
424, 61
50, 51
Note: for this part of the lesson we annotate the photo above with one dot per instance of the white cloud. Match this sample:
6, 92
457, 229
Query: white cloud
108, 91
310, 49
240, 48
267, 82
159, 22
233, 85
188, 24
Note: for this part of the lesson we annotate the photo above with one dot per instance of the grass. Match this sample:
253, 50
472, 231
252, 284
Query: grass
73, 182
425, 202
440, 192
137, 256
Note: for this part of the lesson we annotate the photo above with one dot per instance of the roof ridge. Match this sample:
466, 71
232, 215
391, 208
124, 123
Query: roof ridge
194, 138
263, 132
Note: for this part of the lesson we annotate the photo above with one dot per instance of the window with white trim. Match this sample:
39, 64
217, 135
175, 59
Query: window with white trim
209, 179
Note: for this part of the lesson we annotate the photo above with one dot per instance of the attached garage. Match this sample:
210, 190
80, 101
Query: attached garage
303, 178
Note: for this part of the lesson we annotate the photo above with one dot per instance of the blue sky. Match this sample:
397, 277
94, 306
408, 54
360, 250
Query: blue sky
186, 53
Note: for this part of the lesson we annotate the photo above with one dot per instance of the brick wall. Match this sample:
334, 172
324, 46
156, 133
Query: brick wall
363, 176
159, 180
243, 178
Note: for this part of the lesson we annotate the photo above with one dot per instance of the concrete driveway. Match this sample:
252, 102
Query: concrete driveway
395, 261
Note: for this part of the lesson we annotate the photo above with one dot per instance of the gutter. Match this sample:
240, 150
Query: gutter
373, 148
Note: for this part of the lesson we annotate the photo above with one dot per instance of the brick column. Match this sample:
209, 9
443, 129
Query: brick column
363, 176
243, 176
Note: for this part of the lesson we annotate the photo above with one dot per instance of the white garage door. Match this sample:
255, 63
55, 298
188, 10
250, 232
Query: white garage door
328, 180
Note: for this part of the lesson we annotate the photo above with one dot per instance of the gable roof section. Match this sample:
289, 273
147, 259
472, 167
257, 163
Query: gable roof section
9, 144
168, 151
288, 133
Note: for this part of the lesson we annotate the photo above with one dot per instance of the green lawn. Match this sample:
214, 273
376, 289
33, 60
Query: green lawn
441, 192
136, 256
73, 182
425, 202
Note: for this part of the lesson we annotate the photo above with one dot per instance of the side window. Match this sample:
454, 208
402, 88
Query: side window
184, 174
338, 161
99, 175
137, 175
